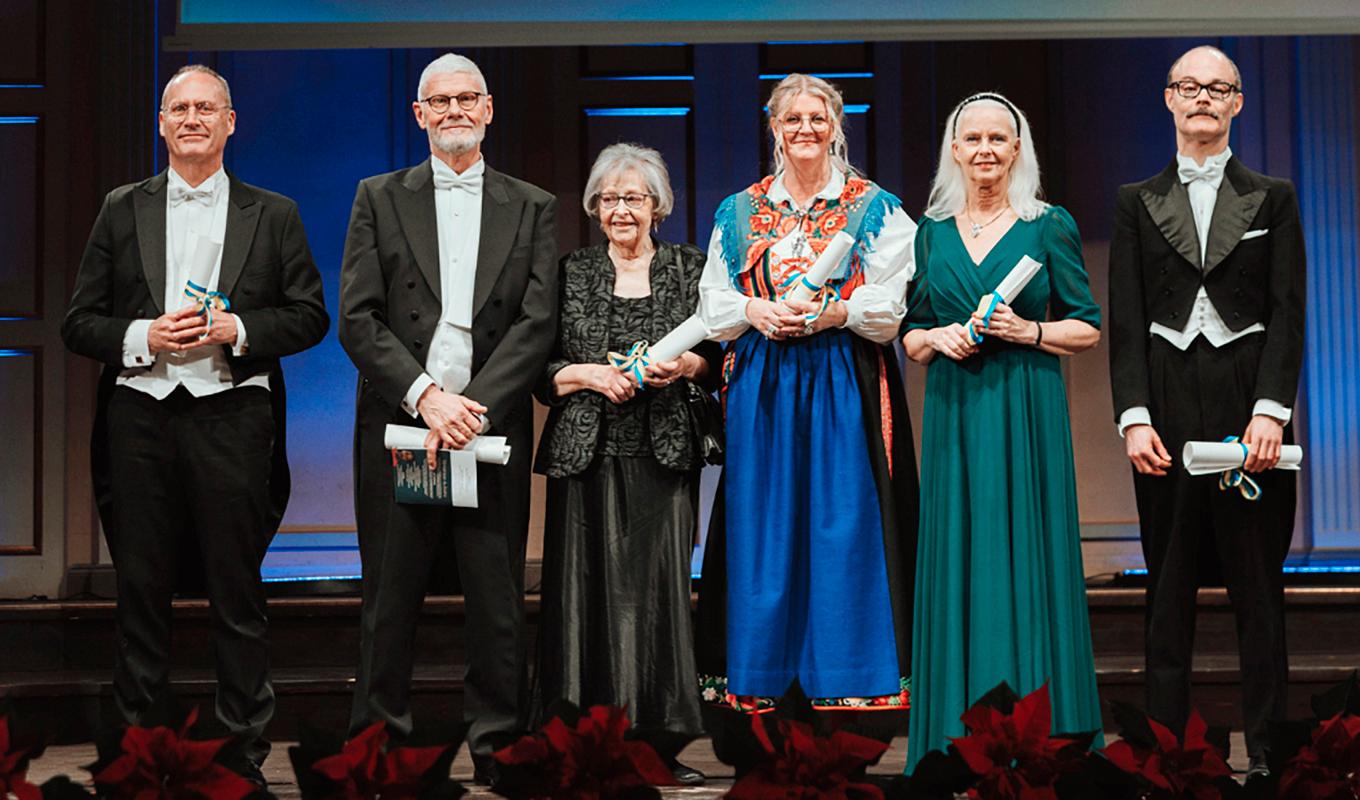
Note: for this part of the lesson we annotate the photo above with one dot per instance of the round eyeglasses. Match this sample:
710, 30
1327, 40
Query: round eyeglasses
439, 103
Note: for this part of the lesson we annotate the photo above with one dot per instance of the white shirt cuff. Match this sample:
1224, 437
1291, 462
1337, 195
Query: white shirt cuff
486, 425
242, 345
1270, 408
418, 387
136, 348
1138, 415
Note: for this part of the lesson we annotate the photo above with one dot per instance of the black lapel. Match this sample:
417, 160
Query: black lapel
149, 209
243, 216
668, 288
416, 213
1234, 209
602, 275
1168, 203
500, 220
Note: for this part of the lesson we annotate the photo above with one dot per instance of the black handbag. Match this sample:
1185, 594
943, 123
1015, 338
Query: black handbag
706, 418
705, 412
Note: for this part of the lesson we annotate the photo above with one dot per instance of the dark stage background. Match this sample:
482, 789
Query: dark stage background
81, 83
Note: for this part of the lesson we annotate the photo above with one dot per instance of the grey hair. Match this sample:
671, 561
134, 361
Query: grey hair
1237, 73
617, 159
948, 194
449, 64
783, 96
203, 68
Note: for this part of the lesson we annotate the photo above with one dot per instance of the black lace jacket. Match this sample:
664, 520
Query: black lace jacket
587, 288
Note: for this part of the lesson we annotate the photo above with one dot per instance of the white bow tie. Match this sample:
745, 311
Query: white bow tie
1209, 171
183, 194
472, 184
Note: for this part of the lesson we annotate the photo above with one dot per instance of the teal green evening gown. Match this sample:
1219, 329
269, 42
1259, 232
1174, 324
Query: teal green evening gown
1000, 592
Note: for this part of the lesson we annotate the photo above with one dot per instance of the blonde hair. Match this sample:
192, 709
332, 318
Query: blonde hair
783, 96
948, 192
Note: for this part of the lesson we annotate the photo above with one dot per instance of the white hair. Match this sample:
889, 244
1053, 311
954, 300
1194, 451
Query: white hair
617, 159
948, 193
448, 64
783, 96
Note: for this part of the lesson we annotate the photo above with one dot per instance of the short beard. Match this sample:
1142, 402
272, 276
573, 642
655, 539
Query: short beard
455, 144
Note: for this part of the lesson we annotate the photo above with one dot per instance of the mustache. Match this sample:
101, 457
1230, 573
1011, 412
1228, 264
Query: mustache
1202, 112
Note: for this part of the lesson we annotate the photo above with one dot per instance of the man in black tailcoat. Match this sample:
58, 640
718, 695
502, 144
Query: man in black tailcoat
1206, 341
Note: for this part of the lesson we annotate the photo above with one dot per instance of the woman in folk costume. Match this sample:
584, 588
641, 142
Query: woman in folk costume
809, 563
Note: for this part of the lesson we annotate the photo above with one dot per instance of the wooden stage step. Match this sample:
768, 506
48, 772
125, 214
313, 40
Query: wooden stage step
56, 657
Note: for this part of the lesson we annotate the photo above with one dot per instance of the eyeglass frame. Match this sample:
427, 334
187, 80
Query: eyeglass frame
169, 111
1203, 87
797, 126
619, 198
450, 99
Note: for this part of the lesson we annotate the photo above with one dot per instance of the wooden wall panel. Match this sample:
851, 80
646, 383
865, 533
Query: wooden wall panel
20, 199
21, 409
21, 59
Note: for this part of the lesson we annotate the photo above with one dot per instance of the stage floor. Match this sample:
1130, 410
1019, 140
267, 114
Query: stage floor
70, 759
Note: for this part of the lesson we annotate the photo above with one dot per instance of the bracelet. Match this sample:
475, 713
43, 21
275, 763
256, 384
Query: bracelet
1039, 337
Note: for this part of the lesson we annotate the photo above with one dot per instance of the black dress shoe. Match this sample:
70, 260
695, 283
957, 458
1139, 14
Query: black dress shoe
484, 772
686, 775
1257, 767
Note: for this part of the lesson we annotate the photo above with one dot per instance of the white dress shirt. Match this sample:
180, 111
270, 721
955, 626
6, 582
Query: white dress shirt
874, 309
458, 215
192, 212
1204, 320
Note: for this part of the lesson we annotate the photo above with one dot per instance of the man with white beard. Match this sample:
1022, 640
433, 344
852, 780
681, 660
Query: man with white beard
448, 295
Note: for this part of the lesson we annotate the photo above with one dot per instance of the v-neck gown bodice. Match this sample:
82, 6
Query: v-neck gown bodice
1000, 592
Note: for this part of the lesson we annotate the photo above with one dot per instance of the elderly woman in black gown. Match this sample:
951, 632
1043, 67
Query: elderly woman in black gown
622, 465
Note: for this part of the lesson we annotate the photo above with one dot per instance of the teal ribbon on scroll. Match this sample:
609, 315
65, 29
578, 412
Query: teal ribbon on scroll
986, 318
634, 362
206, 301
829, 295
1238, 479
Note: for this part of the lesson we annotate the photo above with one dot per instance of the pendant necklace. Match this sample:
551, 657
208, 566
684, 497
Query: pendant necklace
975, 228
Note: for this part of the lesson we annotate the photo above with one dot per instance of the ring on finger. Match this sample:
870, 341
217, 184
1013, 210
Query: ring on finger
771, 330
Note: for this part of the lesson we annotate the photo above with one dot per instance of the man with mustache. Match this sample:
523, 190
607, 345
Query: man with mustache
448, 297
1206, 342
188, 450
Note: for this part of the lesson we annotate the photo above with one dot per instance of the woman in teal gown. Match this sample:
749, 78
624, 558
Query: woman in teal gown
1000, 590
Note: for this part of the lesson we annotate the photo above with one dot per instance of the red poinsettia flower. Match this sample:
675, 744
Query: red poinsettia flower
591, 761
163, 764
806, 767
1329, 768
1186, 767
1012, 754
14, 769
363, 770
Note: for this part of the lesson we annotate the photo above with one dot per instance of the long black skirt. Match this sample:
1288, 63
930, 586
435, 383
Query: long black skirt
616, 626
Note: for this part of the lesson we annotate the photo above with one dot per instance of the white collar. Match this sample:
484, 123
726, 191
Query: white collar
213, 184
1216, 160
475, 171
780, 194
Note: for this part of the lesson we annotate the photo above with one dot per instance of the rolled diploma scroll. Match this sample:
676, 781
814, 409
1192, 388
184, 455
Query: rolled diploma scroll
1205, 458
812, 281
679, 341
203, 253
1010, 287
487, 449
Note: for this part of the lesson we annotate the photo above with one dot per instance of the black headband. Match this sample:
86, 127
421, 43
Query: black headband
1015, 115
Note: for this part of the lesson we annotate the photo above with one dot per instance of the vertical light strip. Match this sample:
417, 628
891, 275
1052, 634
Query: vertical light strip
1326, 94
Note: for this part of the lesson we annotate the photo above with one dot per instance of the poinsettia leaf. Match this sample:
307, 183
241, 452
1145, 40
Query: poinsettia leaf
1343, 698
1132, 723
1002, 698
565, 710
734, 742
558, 735
312, 785
412, 765
760, 730
647, 764
941, 775
859, 750
1286, 739
1033, 715
982, 719
1093, 776
1164, 740
63, 788
220, 783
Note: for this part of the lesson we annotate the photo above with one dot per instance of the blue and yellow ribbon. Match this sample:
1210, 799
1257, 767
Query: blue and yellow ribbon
829, 295
986, 318
635, 362
206, 301
1237, 478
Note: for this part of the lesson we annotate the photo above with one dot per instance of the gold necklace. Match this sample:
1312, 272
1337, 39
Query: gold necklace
976, 229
